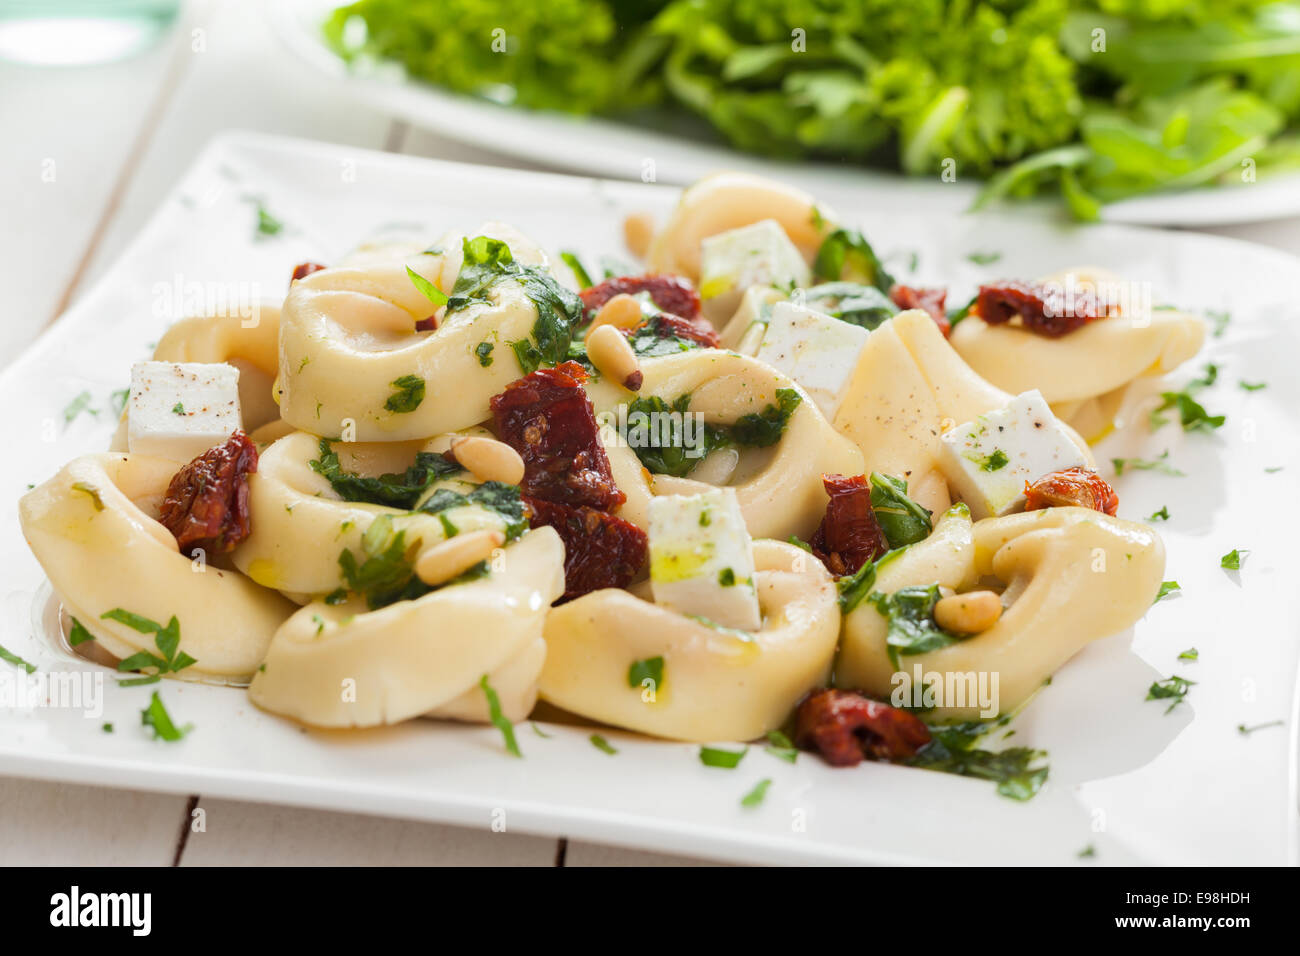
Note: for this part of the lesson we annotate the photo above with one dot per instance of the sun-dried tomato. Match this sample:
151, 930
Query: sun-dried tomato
206, 505
1071, 486
667, 326
671, 293
849, 535
1048, 310
427, 324
600, 550
844, 726
930, 299
304, 269
547, 417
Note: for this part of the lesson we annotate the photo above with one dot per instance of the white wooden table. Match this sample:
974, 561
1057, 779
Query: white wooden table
86, 155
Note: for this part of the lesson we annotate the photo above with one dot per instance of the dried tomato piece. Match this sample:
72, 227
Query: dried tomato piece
849, 535
600, 550
1045, 310
1071, 486
930, 299
844, 726
666, 326
206, 505
427, 324
547, 417
304, 269
671, 293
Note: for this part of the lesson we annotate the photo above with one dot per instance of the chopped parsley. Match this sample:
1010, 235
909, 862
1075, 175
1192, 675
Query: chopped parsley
484, 352
498, 718
178, 409
267, 225
78, 634
1087, 853
92, 491
1159, 464
1018, 771
1191, 654
727, 578
650, 669
1166, 588
409, 394
387, 573
107, 728
1161, 515
1251, 386
166, 638
156, 718
764, 429
1191, 414
845, 255
724, 759
912, 628
1220, 318
1247, 731
488, 261
571, 260
78, 405
902, 520
427, 288
992, 462
983, 258
650, 340
756, 796
1173, 688
781, 747
1232, 560
12, 658
861, 305
601, 744
538, 730
501, 499
396, 490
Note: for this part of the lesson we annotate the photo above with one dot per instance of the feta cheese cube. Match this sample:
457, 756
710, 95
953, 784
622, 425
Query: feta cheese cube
987, 462
757, 255
179, 410
817, 351
702, 560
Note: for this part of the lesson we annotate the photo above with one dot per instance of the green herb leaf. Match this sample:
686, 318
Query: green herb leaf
1171, 688
846, 256
1161, 515
12, 658
1232, 560
764, 429
92, 491
862, 305
756, 795
396, 490
1167, 588
652, 669
427, 288
902, 520
1018, 771
78, 405
155, 716
1251, 386
724, 759
1159, 464
1191, 654
409, 394
781, 747
601, 744
498, 718
571, 260
78, 634
484, 352
984, 258
1247, 731
910, 613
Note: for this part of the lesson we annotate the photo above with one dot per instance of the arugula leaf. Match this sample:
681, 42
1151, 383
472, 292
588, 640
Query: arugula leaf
409, 394
396, 490
156, 718
498, 718
902, 520
723, 759
910, 613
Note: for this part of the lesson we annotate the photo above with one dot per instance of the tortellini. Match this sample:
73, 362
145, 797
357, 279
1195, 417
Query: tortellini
1071, 576
1093, 362
728, 201
301, 524
909, 387
717, 684
93, 528
779, 487
350, 356
347, 666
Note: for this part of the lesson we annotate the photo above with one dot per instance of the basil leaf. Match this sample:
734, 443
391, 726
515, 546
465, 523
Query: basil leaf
902, 520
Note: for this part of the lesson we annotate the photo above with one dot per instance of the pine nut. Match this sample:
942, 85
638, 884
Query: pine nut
455, 556
638, 231
608, 350
969, 613
622, 312
488, 459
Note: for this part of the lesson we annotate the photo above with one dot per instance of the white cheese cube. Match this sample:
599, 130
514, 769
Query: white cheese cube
702, 560
179, 410
987, 462
757, 255
817, 351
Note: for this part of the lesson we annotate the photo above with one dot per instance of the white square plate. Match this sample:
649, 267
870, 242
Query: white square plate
1136, 784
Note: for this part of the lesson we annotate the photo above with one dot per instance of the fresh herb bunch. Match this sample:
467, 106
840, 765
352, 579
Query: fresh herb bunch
1095, 100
